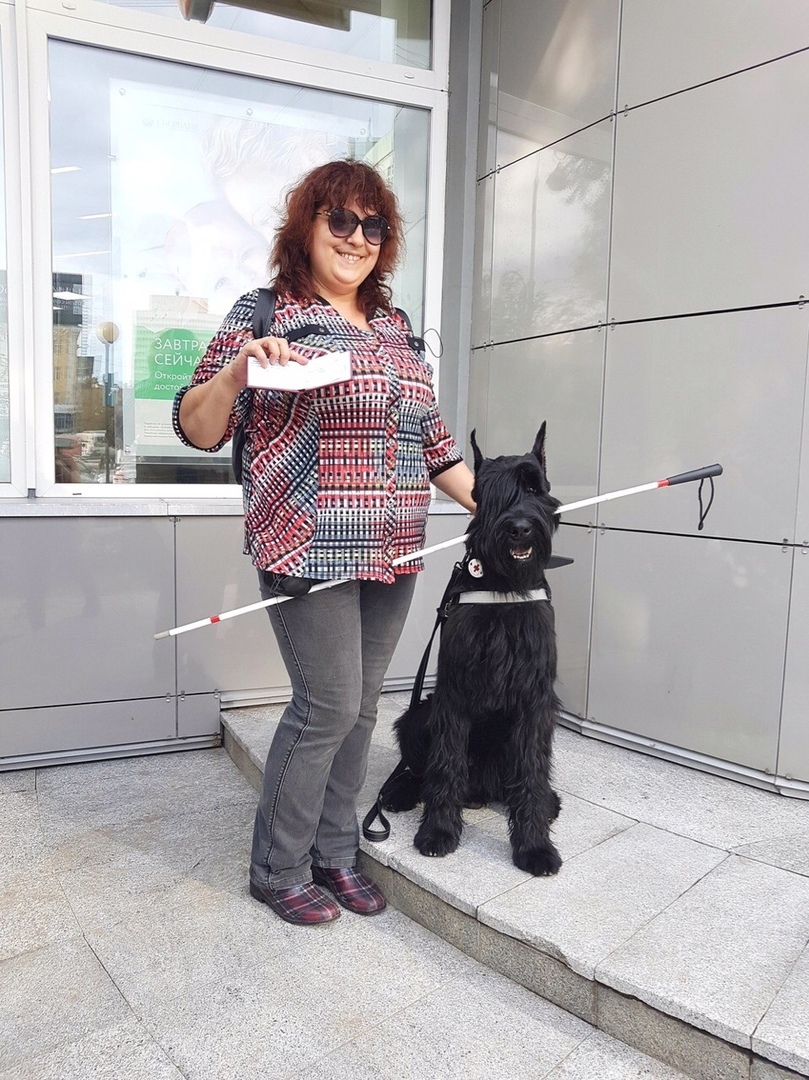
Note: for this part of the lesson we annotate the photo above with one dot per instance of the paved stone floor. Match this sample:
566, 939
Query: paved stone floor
131, 950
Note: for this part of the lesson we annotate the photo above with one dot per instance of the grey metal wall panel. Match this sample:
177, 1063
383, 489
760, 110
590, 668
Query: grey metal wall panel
572, 588
214, 576
551, 225
688, 643
557, 70
709, 190
688, 392
793, 748
666, 47
478, 409
198, 714
690, 633
557, 379
77, 727
793, 751
83, 598
482, 268
802, 518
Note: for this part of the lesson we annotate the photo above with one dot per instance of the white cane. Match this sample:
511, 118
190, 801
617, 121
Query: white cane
669, 481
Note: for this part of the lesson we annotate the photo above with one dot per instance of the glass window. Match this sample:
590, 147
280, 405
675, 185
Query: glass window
165, 195
394, 31
5, 404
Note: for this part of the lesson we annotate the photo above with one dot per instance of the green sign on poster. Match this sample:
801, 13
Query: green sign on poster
165, 361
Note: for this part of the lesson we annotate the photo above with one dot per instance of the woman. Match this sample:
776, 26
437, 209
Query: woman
336, 485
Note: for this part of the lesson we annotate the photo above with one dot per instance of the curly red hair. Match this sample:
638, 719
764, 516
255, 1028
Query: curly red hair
336, 183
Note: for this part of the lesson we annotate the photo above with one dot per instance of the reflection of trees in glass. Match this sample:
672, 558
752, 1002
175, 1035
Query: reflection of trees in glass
509, 304
552, 260
582, 182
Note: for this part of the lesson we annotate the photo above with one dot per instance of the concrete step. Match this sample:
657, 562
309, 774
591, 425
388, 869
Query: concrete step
679, 923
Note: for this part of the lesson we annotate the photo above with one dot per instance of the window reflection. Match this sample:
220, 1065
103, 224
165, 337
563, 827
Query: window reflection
165, 196
394, 31
5, 411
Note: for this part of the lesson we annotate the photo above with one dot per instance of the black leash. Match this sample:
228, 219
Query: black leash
383, 832
376, 811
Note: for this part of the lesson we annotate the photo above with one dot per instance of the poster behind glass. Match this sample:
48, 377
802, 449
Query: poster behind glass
166, 196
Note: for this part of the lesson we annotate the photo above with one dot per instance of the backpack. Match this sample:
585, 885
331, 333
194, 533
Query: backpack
262, 323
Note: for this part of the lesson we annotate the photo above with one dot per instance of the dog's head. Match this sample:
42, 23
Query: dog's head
512, 531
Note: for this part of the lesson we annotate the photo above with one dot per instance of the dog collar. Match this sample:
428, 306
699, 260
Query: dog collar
501, 597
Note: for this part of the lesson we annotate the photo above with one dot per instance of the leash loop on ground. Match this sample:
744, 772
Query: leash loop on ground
376, 836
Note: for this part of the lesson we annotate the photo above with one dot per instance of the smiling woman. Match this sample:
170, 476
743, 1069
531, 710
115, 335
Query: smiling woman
336, 484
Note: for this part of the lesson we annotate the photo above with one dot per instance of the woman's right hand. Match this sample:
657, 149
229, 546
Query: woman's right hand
267, 350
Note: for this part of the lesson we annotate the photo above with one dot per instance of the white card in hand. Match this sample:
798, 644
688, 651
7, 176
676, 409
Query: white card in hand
323, 369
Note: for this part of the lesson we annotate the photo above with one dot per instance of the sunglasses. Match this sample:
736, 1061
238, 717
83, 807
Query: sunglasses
343, 223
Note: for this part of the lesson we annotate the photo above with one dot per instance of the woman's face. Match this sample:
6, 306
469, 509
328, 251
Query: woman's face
339, 266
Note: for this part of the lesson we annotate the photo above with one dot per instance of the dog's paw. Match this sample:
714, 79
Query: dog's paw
556, 805
435, 842
540, 861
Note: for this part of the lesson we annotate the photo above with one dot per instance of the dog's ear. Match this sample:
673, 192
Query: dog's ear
539, 447
476, 450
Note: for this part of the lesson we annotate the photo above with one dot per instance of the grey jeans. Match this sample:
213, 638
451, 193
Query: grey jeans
336, 645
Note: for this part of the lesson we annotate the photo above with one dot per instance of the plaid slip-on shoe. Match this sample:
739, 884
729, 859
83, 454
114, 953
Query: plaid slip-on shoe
353, 890
304, 905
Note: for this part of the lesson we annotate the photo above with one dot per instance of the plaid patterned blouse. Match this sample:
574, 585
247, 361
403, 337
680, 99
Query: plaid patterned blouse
336, 480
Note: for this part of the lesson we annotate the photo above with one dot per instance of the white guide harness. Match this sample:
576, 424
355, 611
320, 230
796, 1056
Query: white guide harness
501, 597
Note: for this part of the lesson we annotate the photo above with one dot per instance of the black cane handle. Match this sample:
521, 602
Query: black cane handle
694, 474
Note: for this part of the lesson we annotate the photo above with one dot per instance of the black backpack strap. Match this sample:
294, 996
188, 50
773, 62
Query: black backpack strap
264, 312
376, 811
263, 316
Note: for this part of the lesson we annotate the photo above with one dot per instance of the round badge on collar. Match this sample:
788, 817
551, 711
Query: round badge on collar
475, 568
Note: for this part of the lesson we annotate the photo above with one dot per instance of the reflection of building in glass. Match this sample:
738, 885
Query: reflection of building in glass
67, 317
79, 409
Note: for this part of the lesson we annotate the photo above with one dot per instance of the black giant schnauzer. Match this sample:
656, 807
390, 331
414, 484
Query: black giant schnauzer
486, 732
